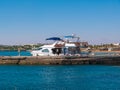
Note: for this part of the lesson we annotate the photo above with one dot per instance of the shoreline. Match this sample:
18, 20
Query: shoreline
107, 51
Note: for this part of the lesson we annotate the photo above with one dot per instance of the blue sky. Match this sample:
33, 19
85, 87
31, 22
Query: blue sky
31, 21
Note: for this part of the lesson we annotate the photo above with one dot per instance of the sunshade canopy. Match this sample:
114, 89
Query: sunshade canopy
70, 36
54, 38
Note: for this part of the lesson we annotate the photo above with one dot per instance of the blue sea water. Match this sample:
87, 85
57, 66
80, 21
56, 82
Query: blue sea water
27, 53
61, 77
69, 77
15, 53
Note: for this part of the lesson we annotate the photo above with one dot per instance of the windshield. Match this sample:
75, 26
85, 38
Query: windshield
39, 48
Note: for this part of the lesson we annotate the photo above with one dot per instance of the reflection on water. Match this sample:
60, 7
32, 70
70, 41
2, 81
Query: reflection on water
69, 77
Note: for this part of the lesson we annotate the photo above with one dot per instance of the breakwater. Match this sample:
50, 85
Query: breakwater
60, 60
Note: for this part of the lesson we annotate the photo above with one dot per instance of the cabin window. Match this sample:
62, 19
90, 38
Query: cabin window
39, 48
45, 50
56, 50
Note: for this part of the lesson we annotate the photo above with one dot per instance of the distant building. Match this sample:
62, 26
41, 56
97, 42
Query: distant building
116, 44
84, 44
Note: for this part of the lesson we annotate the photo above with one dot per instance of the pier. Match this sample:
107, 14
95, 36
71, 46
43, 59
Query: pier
59, 60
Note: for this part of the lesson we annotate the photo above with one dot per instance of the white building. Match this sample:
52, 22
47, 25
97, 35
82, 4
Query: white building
116, 44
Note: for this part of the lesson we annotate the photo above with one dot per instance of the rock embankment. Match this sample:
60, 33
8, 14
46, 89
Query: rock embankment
60, 60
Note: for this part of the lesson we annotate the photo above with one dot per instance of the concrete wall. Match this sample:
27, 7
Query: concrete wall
60, 60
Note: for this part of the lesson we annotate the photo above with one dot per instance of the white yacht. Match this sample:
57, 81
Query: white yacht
59, 47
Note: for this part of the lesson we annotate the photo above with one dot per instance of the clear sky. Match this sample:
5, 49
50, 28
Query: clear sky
31, 21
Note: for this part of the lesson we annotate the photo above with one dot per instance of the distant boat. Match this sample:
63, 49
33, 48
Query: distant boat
59, 47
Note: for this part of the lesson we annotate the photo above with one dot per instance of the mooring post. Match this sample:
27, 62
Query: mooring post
18, 51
